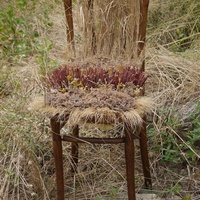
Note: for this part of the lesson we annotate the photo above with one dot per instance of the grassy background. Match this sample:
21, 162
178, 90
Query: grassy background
33, 41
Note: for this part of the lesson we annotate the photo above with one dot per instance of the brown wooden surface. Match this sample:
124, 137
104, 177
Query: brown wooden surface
144, 157
91, 23
93, 140
69, 19
144, 4
130, 162
57, 152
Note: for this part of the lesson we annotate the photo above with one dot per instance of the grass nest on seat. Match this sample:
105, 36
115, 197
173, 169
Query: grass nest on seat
97, 95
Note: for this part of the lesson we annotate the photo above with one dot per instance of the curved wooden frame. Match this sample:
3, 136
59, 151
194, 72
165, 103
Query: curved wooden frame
128, 141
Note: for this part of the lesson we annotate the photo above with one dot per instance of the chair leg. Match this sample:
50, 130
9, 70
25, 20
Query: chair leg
130, 166
57, 151
144, 157
69, 19
74, 151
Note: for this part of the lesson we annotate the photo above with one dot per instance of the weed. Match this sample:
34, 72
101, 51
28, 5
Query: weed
194, 135
187, 197
181, 30
113, 192
175, 189
169, 146
166, 143
15, 33
20, 37
43, 58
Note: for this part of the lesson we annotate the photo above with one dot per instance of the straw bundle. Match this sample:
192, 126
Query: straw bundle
108, 27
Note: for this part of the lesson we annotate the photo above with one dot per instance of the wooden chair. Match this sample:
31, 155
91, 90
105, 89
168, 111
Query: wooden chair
128, 140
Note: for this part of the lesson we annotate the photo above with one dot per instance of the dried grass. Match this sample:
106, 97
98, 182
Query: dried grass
107, 28
125, 110
174, 82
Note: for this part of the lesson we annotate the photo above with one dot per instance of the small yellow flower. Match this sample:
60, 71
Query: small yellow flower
120, 87
137, 92
69, 79
80, 85
63, 90
75, 82
87, 89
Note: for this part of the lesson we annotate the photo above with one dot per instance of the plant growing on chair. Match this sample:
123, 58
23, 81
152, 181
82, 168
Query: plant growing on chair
64, 78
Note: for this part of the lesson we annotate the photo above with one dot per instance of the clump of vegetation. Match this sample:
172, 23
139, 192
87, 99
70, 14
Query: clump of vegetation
77, 77
20, 36
169, 140
23, 50
174, 24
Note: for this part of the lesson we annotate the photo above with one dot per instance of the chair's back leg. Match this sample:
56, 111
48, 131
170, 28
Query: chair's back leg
144, 4
130, 165
69, 19
57, 151
74, 151
144, 157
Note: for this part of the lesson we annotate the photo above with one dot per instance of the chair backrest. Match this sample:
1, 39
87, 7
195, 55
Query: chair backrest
116, 28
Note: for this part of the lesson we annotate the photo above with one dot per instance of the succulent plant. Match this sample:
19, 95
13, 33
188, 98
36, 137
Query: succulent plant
90, 77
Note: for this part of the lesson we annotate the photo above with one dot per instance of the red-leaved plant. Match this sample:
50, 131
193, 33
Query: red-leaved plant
91, 77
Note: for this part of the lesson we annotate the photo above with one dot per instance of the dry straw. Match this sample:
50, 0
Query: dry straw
97, 115
107, 28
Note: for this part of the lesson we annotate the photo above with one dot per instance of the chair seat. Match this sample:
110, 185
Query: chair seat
95, 112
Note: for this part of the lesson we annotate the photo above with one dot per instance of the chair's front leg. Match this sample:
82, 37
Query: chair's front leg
144, 157
130, 165
57, 152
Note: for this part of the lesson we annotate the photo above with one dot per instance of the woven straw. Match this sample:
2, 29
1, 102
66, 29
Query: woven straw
100, 106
